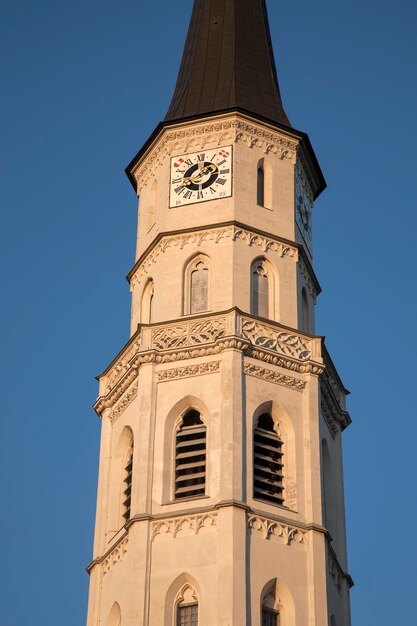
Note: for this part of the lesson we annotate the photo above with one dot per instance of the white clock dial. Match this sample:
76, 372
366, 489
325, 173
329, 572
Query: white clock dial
201, 176
303, 208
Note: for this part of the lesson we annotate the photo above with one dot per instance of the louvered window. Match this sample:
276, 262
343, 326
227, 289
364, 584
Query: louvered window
269, 617
268, 466
127, 492
187, 615
190, 457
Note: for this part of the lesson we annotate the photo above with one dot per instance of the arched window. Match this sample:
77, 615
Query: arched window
190, 456
197, 286
264, 184
270, 605
305, 311
127, 483
187, 607
267, 461
146, 316
261, 185
182, 602
115, 618
270, 617
262, 289
120, 482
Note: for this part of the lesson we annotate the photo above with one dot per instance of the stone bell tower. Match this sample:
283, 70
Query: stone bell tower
220, 495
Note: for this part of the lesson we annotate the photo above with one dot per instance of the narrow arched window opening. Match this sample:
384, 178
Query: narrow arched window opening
270, 617
199, 288
147, 315
190, 456
260, 288
268, 461
127, 484
115, 618
261, 186
305, 311
187, 615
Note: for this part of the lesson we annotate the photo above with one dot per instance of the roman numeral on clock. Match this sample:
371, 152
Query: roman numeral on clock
224, 171
199, 195
201, 157
188, 194
221, 181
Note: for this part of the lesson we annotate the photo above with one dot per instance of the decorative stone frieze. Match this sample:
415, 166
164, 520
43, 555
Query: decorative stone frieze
331, 422
209, 336
191, 370
188, 138
334, 415
189, 334
115, 556
122, 365
198, 237
266, 336
274, 377
126, 399
190, 524
270, 528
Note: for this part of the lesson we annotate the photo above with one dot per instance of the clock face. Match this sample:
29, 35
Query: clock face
201, 176
303, 214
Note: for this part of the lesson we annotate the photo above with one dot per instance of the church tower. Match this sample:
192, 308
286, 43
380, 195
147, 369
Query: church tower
220, 495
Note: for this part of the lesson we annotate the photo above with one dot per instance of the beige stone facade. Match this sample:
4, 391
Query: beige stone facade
224, 550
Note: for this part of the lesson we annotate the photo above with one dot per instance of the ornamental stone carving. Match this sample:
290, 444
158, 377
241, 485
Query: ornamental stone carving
208, 336
329, 419
191, 334
266, 336
115, 556
191, 370
127, 399
191, 524
122, 366
214, 235
272, 528
274, 377
184, 139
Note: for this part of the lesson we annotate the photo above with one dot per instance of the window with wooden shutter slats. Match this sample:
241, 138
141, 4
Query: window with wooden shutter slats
190, 457
267, 462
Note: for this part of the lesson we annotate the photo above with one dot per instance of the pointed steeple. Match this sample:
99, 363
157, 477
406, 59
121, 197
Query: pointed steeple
228, 63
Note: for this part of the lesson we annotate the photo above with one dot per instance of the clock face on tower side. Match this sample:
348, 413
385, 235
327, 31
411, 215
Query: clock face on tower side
303, 214
201, 176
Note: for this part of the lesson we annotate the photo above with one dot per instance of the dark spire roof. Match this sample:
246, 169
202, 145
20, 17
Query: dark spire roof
228, 63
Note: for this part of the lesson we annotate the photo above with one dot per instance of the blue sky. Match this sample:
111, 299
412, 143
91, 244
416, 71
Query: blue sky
83, 86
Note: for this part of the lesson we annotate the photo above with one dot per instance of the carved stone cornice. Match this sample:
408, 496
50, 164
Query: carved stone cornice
210, 335
126, 399
188, 371
214, 234
274, 377
115, 555
271, 528
191, 524
336, 571
198, 135
336, 418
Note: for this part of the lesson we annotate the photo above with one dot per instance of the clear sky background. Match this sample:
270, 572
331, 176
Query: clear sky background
82, 85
